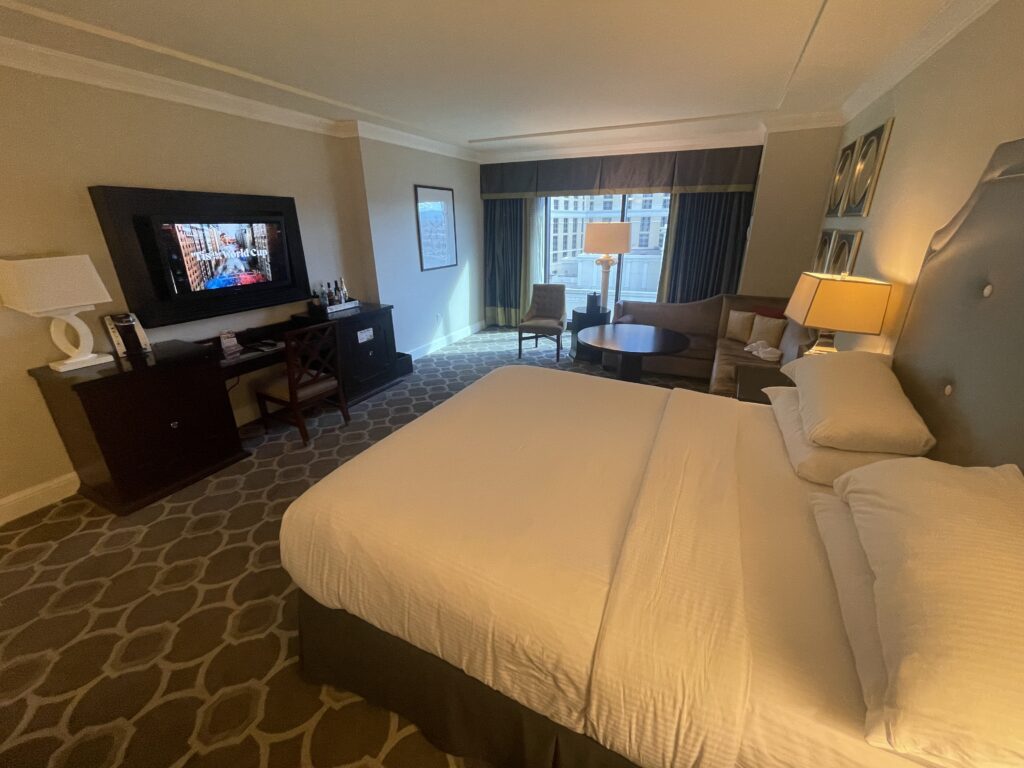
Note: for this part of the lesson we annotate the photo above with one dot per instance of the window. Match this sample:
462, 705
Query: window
638, 272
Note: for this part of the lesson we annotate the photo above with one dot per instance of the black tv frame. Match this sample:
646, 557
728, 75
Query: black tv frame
125, 213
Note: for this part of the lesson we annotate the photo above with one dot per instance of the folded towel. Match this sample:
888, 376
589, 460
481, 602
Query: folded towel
764, 350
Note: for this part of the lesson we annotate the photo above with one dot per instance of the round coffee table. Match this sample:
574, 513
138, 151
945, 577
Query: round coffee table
632, 342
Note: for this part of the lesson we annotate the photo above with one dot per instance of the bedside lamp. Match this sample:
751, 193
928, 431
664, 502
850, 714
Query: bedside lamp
833, 303
606, 238
58, 287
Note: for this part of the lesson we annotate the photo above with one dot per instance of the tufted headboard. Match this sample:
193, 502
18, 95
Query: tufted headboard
960, 357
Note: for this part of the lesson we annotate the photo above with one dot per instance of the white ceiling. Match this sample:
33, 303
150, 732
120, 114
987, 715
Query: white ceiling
516, 79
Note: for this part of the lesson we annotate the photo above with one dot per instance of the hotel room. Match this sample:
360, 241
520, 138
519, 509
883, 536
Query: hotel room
537, 385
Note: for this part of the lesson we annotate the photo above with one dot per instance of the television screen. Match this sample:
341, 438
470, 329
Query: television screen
213, 256
182, 256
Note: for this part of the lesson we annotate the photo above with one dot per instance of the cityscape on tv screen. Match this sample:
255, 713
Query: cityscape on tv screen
216, 256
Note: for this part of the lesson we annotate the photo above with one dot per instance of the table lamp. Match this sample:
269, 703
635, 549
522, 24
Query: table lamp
608, 239
58, 287
834, 303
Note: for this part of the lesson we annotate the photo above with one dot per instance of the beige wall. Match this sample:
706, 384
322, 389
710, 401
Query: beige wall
950, 114
57, 138
437, 306
788, 206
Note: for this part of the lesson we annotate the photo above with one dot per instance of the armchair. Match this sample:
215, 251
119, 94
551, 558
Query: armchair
545, 319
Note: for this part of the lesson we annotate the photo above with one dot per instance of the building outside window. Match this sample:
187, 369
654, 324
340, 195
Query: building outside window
637, 275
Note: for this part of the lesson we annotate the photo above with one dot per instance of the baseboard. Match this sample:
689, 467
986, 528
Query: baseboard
443, 341
31, 499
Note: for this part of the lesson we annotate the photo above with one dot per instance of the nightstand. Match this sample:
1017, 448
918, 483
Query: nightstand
751, 379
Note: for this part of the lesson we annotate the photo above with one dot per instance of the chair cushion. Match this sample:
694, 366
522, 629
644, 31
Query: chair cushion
278, 388
542, 325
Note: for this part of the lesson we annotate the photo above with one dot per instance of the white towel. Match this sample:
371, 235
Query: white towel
764, 351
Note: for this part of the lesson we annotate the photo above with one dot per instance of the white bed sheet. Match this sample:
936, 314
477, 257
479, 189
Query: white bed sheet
488, 535
494, 552
805, 708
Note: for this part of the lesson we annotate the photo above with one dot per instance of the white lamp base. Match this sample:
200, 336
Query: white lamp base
73, 363
606, 263
80, 355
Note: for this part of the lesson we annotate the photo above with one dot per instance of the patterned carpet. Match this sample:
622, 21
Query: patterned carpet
168, 637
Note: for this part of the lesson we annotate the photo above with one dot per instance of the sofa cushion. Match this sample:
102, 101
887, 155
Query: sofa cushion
768, 329
702, 346
727, 355
739, 325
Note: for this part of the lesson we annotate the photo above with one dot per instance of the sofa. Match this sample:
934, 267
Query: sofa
711, 355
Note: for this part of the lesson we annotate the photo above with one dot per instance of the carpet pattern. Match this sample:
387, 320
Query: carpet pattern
169, 637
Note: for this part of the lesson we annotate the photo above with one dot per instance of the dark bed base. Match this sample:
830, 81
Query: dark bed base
456, 712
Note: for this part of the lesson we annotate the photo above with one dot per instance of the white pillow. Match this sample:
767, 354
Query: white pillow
812, 462
855, 583
853, 401
946, 545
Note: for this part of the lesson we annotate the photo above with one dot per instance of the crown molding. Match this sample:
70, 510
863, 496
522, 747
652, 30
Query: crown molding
951, 22
413, 141
68, 66
777, 123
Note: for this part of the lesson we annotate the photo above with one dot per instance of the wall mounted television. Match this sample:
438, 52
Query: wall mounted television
184, 256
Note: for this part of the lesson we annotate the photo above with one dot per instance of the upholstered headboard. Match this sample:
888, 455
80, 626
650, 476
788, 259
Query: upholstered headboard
960, 357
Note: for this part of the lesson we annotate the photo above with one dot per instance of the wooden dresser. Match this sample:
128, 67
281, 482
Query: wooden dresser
137, 430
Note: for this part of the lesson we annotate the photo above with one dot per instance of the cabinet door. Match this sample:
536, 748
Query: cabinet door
365, 350
155, 427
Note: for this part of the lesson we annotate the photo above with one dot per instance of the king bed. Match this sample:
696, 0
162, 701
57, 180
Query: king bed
675, 609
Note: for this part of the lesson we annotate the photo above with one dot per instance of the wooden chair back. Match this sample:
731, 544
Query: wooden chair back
311, 355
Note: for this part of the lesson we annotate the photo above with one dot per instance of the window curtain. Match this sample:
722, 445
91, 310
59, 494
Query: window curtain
535, 231
707, 234
504, 241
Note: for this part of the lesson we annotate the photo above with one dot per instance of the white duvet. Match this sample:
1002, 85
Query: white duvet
637, 564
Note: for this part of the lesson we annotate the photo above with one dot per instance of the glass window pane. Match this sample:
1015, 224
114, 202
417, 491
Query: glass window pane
641, 267
568, 265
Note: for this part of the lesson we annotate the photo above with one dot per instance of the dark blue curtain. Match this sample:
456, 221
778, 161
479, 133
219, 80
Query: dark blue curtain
705, 252
503, 260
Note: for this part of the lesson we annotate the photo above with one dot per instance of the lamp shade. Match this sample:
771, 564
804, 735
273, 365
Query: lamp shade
606, 237
839, 303
51, 284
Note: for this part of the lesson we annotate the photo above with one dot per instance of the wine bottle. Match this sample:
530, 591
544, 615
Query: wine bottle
344, 290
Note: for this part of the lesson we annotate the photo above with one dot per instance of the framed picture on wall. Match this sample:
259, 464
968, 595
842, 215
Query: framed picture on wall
844, 253
866, 167
841, 178
821, 256
435, 227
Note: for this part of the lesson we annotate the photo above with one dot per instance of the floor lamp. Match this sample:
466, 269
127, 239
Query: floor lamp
607, 239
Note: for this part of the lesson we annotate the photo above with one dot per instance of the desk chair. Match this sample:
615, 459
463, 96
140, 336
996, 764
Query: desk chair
312, 374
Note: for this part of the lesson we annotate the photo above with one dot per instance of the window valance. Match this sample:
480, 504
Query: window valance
730, 169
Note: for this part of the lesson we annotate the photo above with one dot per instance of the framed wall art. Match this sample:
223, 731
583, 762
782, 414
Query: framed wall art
866, 167
821, 256
841, 178
435, 227
843, 256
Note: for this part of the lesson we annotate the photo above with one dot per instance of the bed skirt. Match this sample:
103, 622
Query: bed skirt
456, 712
